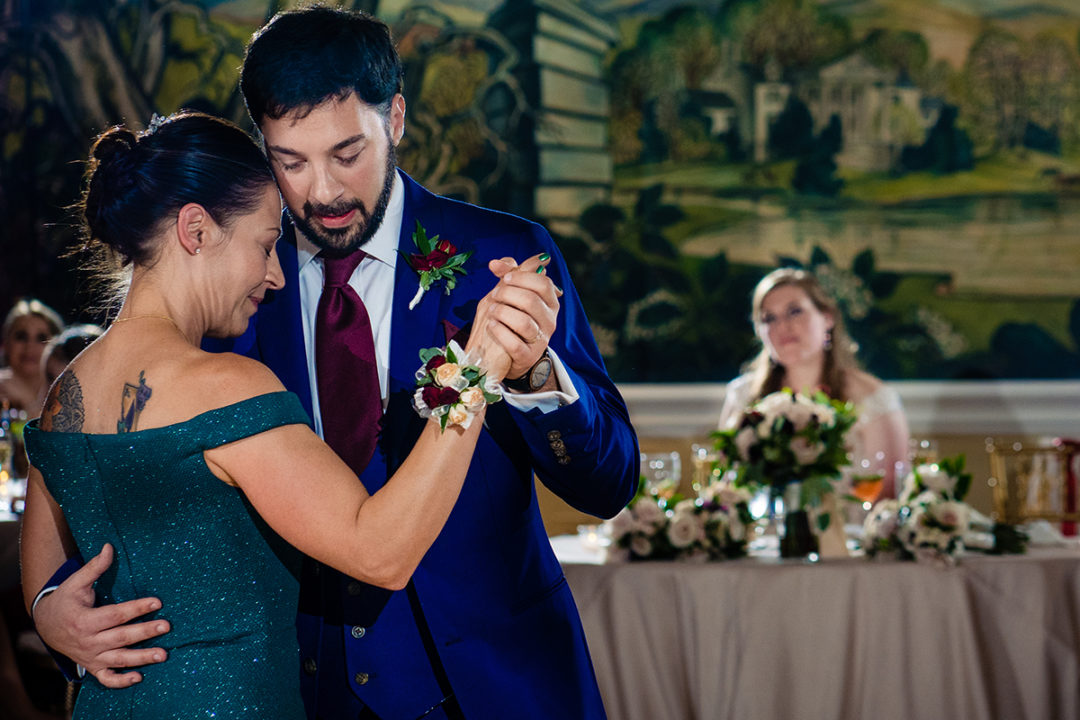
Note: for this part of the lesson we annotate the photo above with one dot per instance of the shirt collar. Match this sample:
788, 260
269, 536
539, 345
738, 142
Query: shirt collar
383, 244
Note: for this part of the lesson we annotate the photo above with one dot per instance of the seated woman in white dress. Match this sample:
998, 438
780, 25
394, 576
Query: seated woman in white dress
805, 347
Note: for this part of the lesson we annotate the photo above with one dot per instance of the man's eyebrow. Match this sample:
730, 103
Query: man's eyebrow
339, 146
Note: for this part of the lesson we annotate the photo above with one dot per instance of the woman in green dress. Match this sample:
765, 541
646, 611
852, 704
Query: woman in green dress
194, 466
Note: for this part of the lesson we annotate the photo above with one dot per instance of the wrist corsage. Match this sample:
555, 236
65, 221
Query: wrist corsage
451, 387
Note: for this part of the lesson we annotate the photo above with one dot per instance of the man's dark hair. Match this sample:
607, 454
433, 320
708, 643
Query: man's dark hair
302, 58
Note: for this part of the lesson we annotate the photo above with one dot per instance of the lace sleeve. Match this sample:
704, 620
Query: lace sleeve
881, 402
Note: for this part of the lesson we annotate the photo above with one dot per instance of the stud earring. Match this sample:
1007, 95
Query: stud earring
198, 250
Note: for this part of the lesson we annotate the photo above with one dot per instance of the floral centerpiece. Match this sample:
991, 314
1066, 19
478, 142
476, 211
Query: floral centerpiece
930, 522
662, 525
790, 443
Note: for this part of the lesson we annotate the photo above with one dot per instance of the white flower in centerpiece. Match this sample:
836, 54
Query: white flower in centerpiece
883, 520
686, 506
648, 512
951, 513
805, 451
641, 546
685, 529
936, 479
744, 440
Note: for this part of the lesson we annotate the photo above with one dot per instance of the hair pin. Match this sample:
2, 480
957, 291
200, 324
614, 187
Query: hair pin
156, 121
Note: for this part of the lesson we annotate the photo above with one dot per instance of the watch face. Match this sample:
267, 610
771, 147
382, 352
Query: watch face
540, 373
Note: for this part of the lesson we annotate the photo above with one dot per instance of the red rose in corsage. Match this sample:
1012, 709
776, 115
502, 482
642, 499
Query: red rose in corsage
436, 260
451, 387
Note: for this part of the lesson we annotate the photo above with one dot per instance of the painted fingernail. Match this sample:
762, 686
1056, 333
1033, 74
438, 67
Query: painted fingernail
540, 270
558, 290
544, 257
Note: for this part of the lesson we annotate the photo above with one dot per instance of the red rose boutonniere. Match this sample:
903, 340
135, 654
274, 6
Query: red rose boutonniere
436, 260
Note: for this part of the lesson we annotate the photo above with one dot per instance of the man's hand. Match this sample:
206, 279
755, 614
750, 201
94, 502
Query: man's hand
98, 639
520, 313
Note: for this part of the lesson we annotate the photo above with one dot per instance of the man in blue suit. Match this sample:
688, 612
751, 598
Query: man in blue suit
487, 627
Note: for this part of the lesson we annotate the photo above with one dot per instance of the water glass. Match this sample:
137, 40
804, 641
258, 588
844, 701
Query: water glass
661, 469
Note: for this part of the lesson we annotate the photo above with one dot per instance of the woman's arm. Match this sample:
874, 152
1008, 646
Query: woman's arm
313, 500
310, 497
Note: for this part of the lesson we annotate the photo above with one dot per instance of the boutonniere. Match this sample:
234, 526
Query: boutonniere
436, 261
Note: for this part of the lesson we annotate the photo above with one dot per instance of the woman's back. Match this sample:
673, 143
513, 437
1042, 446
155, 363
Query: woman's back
227, 583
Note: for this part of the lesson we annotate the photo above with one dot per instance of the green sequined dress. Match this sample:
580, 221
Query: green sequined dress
227, 583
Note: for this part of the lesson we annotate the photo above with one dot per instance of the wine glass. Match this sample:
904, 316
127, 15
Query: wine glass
661, 471
703, 460
868, 479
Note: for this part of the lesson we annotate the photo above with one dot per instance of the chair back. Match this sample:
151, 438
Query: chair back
1035, 483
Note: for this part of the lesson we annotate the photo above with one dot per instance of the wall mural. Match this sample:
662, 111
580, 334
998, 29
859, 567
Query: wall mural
923, 158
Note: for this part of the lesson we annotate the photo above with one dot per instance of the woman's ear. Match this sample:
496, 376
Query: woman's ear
193, 225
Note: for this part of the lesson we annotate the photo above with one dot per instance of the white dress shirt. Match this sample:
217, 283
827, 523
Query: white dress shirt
373, 281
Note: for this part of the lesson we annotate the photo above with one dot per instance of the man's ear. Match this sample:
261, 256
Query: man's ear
193, 225
397, 118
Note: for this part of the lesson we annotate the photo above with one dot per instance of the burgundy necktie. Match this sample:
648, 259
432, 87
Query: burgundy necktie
348, 378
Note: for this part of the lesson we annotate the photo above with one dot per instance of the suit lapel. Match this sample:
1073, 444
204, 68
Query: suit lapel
413, 329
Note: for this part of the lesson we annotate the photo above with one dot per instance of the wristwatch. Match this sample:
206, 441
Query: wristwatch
534, 379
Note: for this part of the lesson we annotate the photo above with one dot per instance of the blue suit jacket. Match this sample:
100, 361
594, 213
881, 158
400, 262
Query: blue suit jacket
500, 613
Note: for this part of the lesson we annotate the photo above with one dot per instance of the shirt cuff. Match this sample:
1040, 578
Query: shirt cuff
548, 400
37, 598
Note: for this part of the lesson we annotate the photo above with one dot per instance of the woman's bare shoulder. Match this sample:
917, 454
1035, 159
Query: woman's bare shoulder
861, 385
225, 378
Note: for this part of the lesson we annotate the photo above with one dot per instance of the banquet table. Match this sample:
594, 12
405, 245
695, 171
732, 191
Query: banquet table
761, 638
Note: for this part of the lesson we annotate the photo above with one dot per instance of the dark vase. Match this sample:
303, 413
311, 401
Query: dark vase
797, 540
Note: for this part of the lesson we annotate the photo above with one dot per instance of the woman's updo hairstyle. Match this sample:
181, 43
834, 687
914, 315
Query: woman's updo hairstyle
137, 182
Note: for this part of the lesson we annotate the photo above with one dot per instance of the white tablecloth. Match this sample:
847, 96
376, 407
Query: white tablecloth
754, 639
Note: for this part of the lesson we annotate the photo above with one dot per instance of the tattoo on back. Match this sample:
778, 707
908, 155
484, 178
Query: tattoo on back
65, 407
132, 401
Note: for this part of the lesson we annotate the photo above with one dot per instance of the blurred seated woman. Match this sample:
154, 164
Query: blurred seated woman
805, 347
28, 326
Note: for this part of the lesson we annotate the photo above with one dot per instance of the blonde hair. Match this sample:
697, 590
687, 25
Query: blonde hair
766, 374
30, 306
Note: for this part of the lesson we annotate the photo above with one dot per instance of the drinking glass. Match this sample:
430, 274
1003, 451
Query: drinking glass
703, 459
922, 451
660, 470
868, 479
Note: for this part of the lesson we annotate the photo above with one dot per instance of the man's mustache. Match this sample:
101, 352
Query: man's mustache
335, 210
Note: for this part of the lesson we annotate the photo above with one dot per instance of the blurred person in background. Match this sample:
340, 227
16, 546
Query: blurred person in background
63, 348
805, 347
29, 325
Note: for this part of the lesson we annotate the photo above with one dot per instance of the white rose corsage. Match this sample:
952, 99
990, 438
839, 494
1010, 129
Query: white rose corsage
451, 387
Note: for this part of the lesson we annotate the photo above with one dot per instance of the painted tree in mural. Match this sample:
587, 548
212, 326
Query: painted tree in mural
68, 70
464, 103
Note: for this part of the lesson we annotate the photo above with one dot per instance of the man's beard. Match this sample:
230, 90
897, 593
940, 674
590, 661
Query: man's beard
344, 240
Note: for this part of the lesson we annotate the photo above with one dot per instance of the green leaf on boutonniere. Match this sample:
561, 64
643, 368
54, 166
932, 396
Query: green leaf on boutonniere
420, 237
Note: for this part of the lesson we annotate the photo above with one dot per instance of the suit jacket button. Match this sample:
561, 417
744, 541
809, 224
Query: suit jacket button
354, 588
361, 678
358, 632
553, 435
310, 667
564, 459
558, 445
